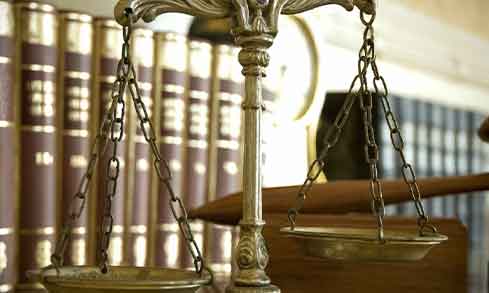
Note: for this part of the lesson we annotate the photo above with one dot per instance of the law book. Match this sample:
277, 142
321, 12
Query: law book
476, 205
224, 151
107, 52
449, 165
37, 45
171, 81
388, 156
462, 148
139, 152
396, 105
196, 160
436, 146
408, 130
8, 150
74, 93
422, 140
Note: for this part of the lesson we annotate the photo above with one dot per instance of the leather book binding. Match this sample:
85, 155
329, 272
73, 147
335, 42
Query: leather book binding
171, 81
197, 137
139, 152
108, 36
37, 46
224, 152
74, 89
8, 151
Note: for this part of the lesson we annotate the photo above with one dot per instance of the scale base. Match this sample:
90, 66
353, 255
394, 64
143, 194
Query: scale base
266, 289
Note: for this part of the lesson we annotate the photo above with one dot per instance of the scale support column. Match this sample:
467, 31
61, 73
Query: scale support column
254, 35
255, 24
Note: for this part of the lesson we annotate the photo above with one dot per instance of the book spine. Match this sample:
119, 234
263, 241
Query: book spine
140, 158
408, 128
474, 212
108, 35
437, 134
8, 151
197, 137
422, 140
74, 90
225, 155
387, 152
462, 163
449, 166
37, 41
172, 59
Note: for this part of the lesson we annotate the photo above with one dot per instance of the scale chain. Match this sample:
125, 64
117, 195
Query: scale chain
177, 206
397, 140
330, 141
114, 121
367, 58
80, 197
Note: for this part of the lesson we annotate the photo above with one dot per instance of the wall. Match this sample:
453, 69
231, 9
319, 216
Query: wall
169, 22
470, 15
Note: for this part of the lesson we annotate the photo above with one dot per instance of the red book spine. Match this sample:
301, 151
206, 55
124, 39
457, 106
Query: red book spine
196, 161
225, 149
140, 173
172, 66
8, 152
38, 137
75, 91
109, 41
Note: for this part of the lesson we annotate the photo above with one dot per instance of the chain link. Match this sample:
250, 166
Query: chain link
79, 200
114, 122
366, 59
330, 141
397, 140
163, 171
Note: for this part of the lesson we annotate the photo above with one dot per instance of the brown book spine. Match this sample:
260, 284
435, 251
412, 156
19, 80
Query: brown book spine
75, 32
37, 41
225, 155
195, 185
140, 158
171, 79
8, 151
108, 36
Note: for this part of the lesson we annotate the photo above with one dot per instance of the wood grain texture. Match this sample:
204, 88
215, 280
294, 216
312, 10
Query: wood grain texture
443, 270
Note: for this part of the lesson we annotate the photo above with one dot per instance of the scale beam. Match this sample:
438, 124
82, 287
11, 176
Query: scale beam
254, 28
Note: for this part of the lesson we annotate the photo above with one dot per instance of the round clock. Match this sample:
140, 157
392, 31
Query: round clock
293, 73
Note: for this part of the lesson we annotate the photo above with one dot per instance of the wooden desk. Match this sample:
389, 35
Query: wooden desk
444, 270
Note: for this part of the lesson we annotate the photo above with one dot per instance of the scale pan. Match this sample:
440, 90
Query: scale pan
84, 279
362, 244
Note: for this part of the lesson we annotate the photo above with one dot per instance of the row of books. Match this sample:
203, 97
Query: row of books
440, 140
443, 141
56, 75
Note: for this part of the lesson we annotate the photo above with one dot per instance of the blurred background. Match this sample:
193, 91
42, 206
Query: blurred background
434, 56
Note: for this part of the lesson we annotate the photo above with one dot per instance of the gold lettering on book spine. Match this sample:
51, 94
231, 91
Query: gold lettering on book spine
78, 252
40, 25
3, 257
42, 99
6, 19
139, 250
111, 40
79, 33
43, 253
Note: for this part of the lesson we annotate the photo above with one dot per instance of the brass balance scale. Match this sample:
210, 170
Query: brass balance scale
254, 28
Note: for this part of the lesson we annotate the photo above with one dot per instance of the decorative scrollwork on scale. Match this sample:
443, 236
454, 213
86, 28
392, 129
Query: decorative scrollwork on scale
254, 26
